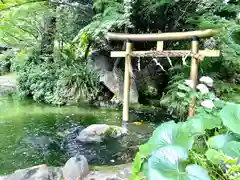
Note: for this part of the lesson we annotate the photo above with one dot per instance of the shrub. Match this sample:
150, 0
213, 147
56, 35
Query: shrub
57, 82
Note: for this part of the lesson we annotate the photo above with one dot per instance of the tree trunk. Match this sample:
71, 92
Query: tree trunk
47, 43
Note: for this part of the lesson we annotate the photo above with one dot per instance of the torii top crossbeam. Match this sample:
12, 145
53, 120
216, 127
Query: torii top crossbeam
161, 36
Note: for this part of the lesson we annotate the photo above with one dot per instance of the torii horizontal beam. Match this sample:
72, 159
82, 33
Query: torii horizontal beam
161, 36
169, 53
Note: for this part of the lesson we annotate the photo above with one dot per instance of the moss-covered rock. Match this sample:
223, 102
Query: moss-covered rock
100, 132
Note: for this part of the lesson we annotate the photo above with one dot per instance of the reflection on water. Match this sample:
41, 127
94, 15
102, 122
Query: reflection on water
30, 133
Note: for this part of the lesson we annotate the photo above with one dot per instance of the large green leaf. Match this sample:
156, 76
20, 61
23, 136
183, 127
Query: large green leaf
230, 115
168, 164
170, 133
199, 123
217, 142
196, 172
232, 149
213, 156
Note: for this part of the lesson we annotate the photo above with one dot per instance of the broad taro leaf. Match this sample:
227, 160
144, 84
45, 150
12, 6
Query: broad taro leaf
213, 156
168, 164
232, 149
196, 172
170, 133
199, 123
230, 115
217, 142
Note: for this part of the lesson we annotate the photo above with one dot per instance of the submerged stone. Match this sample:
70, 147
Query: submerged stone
99, 132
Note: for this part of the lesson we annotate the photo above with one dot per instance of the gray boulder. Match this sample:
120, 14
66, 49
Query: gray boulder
113, 81
41, 172
8, 85
100, 62
116, 84
99, 132
76, 168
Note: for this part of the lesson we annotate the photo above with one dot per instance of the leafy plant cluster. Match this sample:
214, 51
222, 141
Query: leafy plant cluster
48, 66
57, 82
174, 146
109, 15
179, 96
171, 100
224, 69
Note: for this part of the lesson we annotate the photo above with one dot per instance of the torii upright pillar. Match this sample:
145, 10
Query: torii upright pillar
127, 82
194, 73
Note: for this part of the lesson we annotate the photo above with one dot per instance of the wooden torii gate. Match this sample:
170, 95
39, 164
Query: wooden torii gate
196, 56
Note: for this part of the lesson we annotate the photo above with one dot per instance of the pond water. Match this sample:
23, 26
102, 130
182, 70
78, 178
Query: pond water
32, 133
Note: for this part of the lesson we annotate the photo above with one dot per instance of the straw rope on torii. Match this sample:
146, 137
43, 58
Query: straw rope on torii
170, 53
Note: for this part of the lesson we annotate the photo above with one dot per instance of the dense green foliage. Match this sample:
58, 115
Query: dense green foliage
51, 27
214, 14
66, 83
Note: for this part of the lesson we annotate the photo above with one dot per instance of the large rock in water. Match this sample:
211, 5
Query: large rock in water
76, 168
116, 86
104, 65
99, 132
41, 172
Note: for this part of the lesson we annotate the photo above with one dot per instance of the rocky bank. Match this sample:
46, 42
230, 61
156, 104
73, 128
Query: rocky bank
76, 168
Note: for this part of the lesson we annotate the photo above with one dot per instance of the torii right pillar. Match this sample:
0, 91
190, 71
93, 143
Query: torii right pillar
194, 73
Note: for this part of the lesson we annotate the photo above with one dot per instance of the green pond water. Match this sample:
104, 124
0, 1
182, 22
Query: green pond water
24, 124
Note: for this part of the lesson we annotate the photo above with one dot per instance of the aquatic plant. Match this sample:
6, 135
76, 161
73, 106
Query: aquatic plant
169, 152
